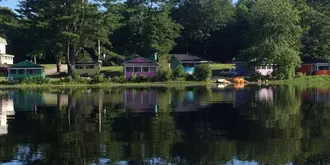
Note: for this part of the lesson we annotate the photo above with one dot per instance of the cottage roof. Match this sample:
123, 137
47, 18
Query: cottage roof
185, 57
3, 41
140, 61
26, 64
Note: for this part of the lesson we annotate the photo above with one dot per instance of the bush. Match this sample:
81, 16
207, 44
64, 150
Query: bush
164, 74
202, 72
120, 79
76, 76
36, 80
300, 74
83, 80
133, 78
98, 78
254, 76
142, 78
189, 78
179, 72
66, 79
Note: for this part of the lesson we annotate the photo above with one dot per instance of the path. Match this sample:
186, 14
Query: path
53, 71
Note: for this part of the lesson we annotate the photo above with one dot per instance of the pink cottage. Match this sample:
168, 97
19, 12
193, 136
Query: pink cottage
140, 66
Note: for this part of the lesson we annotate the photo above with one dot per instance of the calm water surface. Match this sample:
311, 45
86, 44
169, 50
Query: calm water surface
172, 126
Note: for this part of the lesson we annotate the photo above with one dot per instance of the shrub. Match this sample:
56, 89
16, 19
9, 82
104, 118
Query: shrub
164, 74
98, 78
36, 80
254, 76
120, 79
66, 79
202, 72
189, 78
300, 74
142, 78
179, 72
133, 78
83, 80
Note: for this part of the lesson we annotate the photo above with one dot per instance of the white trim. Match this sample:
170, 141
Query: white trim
124, 71
7, 55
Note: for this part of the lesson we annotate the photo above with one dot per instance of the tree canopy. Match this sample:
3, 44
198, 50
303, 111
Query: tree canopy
284, 32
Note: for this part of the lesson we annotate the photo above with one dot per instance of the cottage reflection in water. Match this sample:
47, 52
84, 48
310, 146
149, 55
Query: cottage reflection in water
318, 95
6, 111
141, 100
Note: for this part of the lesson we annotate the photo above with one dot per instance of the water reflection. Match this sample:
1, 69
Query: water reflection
6, 111
193, 125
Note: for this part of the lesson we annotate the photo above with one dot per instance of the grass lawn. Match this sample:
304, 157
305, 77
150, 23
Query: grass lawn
221, 66
3, 78
48, 66
112, 70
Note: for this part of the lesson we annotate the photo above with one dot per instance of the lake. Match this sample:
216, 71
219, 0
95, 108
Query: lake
172, 126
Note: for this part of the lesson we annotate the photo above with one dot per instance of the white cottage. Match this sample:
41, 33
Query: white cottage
5, 59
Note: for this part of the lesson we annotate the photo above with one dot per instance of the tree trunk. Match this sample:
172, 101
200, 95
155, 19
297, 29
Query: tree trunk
71, 60
58, 66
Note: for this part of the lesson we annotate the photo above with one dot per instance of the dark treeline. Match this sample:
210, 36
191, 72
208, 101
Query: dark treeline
281, 32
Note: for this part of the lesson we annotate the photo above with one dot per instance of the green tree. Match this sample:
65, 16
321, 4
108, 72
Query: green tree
316, 23
201, 18
147, 28
274, 35
205, 24
68, 27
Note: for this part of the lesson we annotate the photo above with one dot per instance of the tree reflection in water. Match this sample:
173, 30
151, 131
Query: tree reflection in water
194, 125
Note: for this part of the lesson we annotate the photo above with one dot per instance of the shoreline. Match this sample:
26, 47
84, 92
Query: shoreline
111, 85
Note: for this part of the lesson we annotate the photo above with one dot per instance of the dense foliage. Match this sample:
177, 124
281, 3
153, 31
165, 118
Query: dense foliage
282, 32
179, 72
203, 72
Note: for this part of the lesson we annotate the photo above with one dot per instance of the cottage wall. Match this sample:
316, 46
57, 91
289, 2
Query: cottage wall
86, 69
2, 49
137, 67
149, 73
6, 59
138, 74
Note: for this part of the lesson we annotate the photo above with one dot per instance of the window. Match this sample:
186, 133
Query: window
90, 67
79, 67
29, 71
323, 67
145, 69
13, 71
153, 69
137, 69
263, 67
129, 69
37, 71
185, 65
269, 67
20, 71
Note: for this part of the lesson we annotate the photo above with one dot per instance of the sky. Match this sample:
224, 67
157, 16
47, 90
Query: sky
9, 3
13, 3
